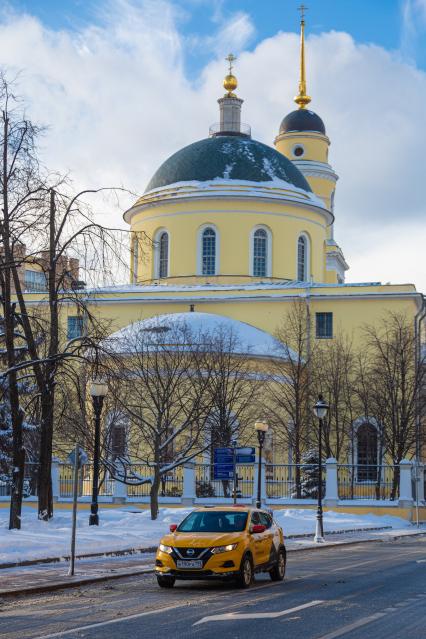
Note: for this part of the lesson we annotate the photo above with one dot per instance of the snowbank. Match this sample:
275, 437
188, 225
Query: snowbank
120, 529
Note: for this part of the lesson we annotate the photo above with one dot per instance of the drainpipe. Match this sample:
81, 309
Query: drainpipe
420, 316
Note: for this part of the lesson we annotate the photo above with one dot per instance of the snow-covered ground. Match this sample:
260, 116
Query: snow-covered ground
120, 529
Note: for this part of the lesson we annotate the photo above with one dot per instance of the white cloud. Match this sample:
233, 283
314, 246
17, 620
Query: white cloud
119, 101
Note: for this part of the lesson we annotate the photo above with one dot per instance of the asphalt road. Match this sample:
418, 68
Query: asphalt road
375, 590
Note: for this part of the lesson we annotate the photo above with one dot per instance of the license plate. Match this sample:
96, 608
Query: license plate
193, 563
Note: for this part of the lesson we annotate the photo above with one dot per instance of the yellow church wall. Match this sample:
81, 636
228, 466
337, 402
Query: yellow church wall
234, 221
265, 309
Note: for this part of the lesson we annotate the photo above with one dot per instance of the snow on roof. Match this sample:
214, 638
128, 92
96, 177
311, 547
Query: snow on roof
164, 287
246, 339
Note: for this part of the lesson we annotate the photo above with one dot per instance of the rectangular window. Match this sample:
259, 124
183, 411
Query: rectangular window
324, 325
75, 326
35, 281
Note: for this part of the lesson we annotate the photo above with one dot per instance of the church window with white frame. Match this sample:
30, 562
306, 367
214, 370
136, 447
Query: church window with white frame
163, 255
302, 258
260, 253
208, 251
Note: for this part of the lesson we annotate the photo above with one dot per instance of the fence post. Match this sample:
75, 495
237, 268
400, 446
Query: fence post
188, 493
54, 474
405, 485
119, 495
331, 488
422, 495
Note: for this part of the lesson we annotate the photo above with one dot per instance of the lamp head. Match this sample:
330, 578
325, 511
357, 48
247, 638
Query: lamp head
98, 388
261, 427
321, 407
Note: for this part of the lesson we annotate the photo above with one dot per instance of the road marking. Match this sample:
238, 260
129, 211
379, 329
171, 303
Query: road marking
358, 563
352, 626
233, 616
64, 633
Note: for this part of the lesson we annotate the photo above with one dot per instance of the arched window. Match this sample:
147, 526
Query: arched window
366, 446
208, 252
302, 258
260, 253
118, 425
163, 255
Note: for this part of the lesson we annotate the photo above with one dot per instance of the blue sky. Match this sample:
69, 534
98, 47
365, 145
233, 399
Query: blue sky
368, 21
123, 84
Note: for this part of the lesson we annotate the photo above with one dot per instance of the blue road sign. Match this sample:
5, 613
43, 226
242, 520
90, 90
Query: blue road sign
223, 463
224, 460
246, 455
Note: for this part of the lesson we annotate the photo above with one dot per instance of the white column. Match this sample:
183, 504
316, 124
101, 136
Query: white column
405, 485
120, 492
419, 477
188, 494
55, 479
331, 489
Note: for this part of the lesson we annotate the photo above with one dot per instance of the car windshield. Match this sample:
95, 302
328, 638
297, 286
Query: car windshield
216, 521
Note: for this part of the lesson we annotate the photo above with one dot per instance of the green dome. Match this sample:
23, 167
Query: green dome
227, 157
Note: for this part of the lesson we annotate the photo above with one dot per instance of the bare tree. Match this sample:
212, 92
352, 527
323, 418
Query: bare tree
289, 392
334, 375
394, 382
40, 211
159, 380
234, 391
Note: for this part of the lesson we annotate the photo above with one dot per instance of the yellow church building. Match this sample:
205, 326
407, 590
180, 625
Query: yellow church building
234, 231
241, 229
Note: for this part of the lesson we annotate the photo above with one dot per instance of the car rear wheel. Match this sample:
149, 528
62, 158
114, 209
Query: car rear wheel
278, 571
165, 581
245, 575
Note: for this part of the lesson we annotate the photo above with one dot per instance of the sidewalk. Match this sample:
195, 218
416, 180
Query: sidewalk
49, 577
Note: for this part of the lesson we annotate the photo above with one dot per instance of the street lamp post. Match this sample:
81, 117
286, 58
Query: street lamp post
261, 429
320, 410
98, 390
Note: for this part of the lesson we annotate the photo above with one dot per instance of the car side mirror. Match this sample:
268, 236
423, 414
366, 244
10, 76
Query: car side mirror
258, 528
173, 527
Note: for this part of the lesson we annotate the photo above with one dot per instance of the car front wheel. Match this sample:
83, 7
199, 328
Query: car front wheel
278, 571
165, 581
245, 576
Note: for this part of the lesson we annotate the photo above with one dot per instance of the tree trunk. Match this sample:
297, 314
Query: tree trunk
17, 487
153, 495
45, 501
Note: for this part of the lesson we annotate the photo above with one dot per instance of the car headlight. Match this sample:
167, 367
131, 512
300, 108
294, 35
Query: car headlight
167, 549
219, 549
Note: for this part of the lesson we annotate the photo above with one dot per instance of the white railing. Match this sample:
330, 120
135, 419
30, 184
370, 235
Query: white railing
281, 483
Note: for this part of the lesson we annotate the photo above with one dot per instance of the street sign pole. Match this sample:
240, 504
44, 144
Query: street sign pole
74, 509
234, 455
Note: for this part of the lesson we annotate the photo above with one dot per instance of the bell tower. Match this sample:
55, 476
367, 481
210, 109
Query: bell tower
302, 137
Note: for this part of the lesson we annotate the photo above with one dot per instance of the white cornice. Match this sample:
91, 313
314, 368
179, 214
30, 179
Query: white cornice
312, 168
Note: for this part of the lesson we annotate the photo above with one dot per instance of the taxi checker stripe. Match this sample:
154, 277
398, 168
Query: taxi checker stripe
234, 616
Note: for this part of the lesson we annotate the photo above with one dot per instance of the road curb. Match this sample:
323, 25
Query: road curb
82, 581
153, 549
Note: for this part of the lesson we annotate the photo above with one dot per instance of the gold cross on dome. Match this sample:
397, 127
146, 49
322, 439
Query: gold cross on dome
302, 10
230, 58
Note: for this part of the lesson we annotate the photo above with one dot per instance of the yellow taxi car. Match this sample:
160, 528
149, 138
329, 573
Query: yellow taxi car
222, 543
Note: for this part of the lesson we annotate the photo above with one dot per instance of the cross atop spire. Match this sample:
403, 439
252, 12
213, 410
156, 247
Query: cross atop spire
302, 99
230, 58
302, 10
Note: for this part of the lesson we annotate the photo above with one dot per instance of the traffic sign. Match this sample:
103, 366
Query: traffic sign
83, 457
223, 463
246, 455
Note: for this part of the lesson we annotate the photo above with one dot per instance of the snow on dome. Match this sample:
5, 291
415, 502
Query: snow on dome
246, 339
